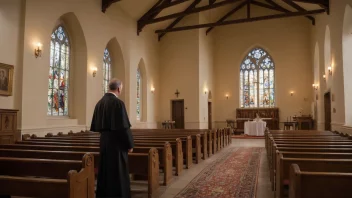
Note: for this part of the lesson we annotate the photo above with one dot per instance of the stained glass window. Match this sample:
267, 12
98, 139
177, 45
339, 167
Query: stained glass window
59, 73
139, 80
257, 73
106, 70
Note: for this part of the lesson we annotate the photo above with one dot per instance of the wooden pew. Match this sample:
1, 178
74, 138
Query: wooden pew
145, 164
271, 140
306, 164
203, 140
165, 153
180, 149
323, 147
302, 141
196, 143
308, 184
14, 178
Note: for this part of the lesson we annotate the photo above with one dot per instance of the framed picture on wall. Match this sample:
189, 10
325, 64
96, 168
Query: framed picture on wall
6, 79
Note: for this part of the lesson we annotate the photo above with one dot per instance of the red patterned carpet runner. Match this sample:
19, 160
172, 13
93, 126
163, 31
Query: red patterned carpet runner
233, 175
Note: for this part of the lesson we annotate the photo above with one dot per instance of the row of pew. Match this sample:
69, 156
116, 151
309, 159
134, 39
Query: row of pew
65, 165
309, 164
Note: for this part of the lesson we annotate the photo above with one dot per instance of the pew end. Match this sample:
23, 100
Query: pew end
304, 184
295, 181
81, 184
76, 185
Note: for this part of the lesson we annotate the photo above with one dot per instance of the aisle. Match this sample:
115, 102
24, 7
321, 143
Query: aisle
231, 173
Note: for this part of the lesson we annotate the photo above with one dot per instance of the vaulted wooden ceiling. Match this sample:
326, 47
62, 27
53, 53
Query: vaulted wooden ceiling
173, 11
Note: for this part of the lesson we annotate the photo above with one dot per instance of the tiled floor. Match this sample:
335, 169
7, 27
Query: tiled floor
263, 187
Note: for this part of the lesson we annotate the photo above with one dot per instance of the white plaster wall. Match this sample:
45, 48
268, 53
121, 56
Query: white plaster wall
347, 63
334, 83
288, 43
206, 52
11, 48
41, 17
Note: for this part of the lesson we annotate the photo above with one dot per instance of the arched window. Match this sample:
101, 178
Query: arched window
106, 70
59, 73
257, 87
139, 93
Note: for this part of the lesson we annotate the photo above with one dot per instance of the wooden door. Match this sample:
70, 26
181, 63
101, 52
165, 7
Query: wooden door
209, 116
327, 109
177, 107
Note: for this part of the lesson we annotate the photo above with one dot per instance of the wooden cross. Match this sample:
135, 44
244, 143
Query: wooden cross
177, 93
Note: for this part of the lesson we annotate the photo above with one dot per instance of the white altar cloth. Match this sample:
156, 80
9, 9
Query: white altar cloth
254, 128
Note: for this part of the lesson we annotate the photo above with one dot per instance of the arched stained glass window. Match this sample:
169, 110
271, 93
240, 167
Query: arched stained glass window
59, 73
139, 92
106, 70
257, 75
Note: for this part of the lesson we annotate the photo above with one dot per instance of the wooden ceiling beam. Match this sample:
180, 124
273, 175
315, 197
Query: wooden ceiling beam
299, 8
211, 2
195, 10
237, 21
227, 15
152, 13
285, 10
170, 3
322, 3
193, 5
272, 7
105, 4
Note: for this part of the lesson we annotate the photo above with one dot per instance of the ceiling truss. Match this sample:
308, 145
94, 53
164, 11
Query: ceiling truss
151, 16
105, 4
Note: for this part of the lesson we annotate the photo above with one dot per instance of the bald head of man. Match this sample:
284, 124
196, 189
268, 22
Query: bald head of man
115, 86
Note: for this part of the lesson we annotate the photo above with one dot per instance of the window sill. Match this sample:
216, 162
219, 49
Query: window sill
58, 117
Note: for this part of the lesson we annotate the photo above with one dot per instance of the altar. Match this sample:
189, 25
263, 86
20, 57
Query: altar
254, 128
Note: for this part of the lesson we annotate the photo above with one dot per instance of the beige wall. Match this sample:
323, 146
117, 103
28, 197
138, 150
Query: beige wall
330, 29
179, 66
288, 43
90, 31
11, 50
189, 61
186, 64
206, 63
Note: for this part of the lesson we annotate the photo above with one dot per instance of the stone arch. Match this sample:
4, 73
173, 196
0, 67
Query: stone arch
118, 63
78, 66
316, 64
317, 77
347, 62
144, 98
327, 52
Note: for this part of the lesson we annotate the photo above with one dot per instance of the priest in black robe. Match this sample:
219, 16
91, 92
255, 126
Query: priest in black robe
110, 119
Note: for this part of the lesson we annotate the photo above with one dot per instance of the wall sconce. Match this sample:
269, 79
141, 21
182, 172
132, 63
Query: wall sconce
152, 89
291, 93
330, 70
324, 76
315, 86
227, 96
95, 71
205, 91
38, 50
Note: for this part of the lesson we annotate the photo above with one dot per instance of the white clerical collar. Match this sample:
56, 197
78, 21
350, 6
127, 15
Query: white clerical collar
114, 94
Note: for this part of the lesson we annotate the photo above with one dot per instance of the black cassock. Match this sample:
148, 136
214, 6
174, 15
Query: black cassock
111, 120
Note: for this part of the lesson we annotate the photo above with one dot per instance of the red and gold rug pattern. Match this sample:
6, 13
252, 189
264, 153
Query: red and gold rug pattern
233, 175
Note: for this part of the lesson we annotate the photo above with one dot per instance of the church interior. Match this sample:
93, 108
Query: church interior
226, 98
